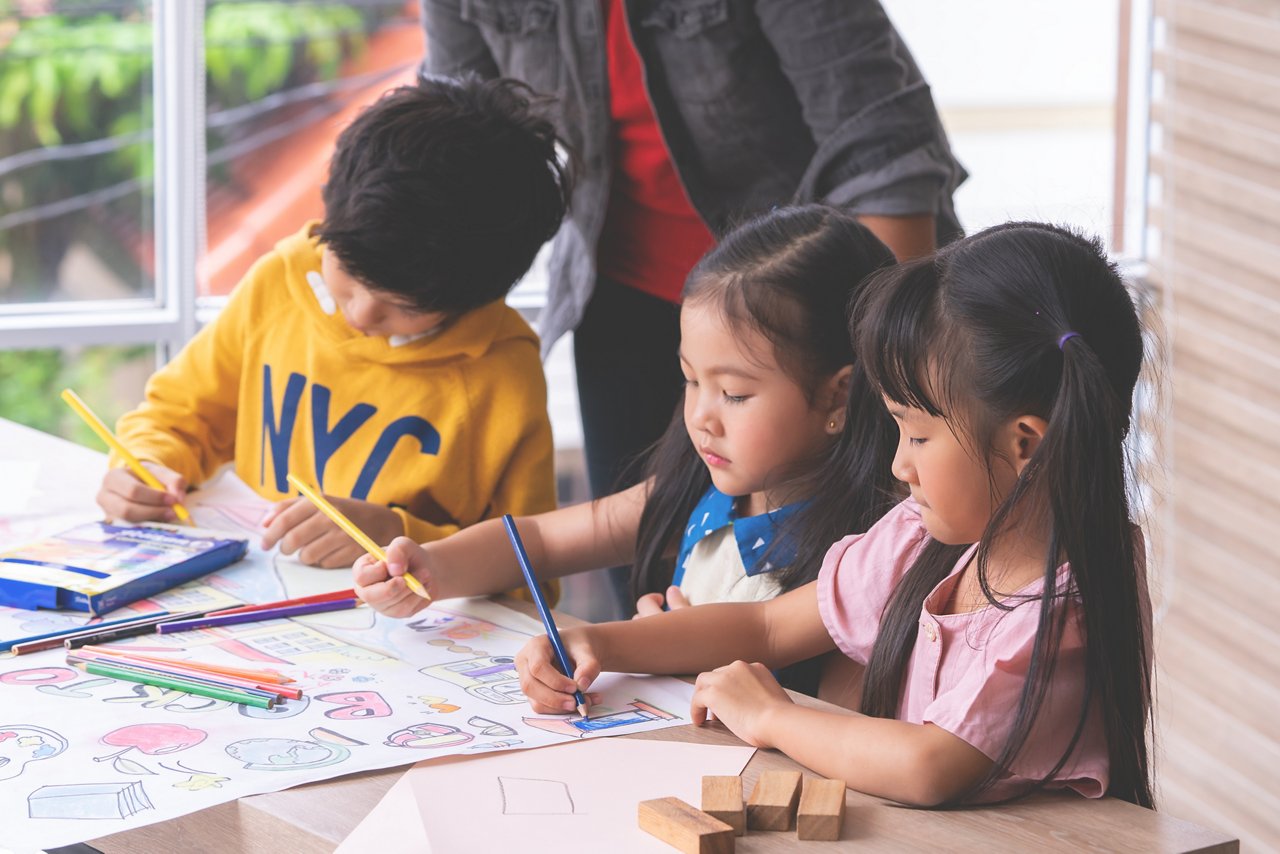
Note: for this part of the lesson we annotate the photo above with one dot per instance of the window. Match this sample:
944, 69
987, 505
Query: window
108, 154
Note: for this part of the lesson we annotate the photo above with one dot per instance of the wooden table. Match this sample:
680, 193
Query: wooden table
317, 817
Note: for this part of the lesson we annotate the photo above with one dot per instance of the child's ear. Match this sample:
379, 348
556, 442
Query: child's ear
835, 399
1024, 436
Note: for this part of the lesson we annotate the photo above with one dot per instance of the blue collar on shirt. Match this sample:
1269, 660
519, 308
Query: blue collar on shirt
755, 534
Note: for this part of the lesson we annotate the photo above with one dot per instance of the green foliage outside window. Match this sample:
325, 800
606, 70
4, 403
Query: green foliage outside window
33, 378
77, 73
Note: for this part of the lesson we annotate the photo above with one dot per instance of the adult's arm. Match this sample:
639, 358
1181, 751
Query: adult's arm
882, 152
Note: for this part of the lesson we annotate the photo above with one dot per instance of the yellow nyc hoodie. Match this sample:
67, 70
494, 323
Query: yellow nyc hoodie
447, 429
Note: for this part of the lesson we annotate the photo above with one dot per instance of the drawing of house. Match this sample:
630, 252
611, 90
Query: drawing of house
492, 678
637, 712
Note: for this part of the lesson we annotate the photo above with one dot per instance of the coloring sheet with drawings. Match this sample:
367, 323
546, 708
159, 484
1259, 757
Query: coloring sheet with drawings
85, 756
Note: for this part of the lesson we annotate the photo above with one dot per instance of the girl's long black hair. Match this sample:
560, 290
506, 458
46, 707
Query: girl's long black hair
790, 275
980, 333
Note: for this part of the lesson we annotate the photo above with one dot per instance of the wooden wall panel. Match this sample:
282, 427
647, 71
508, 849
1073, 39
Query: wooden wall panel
1217, 215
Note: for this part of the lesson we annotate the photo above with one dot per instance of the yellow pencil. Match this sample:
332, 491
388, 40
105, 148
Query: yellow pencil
353, 532
95, 423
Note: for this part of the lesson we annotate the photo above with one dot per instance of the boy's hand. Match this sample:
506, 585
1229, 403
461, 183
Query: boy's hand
651, 603
741, 696
299, 527
123, 496
381, 586
548, 690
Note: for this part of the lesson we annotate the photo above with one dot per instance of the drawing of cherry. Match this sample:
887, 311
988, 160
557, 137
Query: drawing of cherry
151, 739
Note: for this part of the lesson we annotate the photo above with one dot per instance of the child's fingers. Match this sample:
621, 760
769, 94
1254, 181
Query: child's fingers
174, 483
123, 496
387, 597
698, 711
314, 540
585, 672
123, 483
542, 684
400, 555
278, 508
368, 570
543, 698
648, 605
333, 550
676, 598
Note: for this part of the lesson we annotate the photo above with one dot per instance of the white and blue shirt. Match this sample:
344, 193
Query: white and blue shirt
722, 556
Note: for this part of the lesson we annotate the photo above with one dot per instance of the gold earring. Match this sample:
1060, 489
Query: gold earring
831, 425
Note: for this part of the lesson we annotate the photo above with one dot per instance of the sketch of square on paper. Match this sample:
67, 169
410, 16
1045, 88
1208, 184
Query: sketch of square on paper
527, 796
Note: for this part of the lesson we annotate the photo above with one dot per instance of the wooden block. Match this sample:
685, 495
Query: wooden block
773, 801
681, 826
722, 799
821, 809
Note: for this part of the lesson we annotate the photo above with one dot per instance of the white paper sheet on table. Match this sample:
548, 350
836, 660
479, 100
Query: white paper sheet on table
553, 799
19, 478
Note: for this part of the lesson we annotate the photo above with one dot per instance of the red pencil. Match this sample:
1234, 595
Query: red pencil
302, 600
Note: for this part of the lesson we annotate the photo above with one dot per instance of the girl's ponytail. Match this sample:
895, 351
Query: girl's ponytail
1087, 509
1091, 526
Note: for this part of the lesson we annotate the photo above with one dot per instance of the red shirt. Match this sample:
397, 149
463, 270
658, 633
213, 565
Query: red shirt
652, 236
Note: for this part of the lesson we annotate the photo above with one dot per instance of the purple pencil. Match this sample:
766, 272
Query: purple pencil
257, 616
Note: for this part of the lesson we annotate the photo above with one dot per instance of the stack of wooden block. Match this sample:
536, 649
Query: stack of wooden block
778, 802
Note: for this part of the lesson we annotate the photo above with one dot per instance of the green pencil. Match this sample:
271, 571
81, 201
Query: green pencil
177, 683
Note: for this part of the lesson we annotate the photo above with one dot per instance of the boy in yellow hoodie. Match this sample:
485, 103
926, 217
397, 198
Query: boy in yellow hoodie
372, 353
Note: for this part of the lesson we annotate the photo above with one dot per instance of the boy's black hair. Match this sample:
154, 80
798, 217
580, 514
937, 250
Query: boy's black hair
789, 275
1027, 318
441, 193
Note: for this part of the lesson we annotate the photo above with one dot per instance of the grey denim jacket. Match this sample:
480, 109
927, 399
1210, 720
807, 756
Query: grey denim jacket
760, 102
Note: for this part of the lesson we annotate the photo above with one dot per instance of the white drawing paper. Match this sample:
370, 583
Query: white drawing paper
558, 798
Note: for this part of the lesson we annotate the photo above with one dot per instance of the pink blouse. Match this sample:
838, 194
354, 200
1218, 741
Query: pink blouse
966, 670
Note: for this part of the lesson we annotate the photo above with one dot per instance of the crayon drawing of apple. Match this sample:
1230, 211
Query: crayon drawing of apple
151, 739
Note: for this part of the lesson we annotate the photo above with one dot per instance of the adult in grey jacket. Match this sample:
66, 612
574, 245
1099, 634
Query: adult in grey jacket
759, 102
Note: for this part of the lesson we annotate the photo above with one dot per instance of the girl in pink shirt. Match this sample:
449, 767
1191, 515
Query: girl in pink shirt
1001, 610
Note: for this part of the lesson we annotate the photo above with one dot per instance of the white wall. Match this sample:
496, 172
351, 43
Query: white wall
1026, 89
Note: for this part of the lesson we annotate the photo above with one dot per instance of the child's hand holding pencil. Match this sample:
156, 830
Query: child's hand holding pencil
145, 492
384, 584
544, 684
124, 496
362, 539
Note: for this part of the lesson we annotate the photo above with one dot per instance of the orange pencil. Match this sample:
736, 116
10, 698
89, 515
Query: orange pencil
181, 668
239, 672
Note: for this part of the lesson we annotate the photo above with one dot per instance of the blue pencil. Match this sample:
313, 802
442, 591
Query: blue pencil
75, 630
543, 611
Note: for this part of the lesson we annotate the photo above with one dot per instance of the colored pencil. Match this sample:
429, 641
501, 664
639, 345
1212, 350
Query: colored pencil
132, 630
535, 591
180, 668
95, 423
58, 634
353, 532
254, 616
177, 683
242, 672
301, 600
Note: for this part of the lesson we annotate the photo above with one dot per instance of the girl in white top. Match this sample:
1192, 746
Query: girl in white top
759, 472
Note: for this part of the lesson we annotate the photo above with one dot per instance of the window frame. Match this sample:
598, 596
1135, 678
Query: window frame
169, 319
